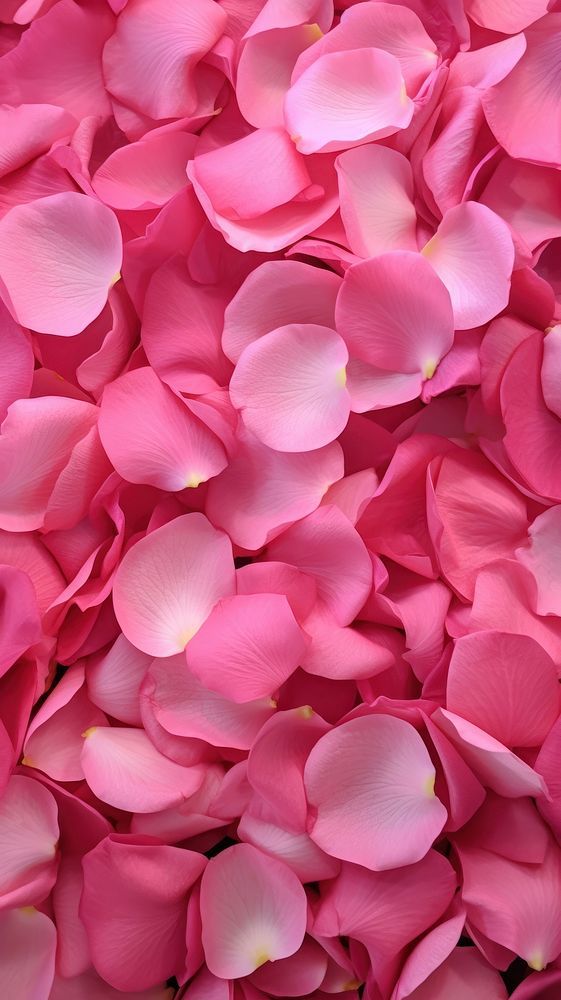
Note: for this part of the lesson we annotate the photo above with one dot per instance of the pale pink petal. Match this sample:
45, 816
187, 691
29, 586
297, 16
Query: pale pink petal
372, 388
29, 834
326, 546
394, 28
253, 911
386, 910
113, 680
185, 708
134, 908
27, 954
152, 437
370, 785
517, 906
263, 491
473, 254
296, 976
124, 769
493, 763
145, 174
54, 738
463, 975
395, 313
68, 249
290, 387
487, 66
275, 294
284, 13
37, 439
193, 564
540, 557
521, 108
346, 98
352, 493
376, 192
33, 71
181, 329
265, 69
248, 646
149, 63
506, 685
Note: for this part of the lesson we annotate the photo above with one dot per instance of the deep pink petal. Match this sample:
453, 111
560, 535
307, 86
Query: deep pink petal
376, 193
145, 175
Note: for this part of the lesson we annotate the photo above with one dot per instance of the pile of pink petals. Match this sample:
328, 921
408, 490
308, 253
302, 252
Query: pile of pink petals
280, 499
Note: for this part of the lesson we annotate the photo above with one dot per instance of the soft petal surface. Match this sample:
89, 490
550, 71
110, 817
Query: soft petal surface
253, 911
361, 780
193, 563
69, 248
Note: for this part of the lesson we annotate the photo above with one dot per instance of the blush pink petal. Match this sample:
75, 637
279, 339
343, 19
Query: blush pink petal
521, 108
386, 910
54, 738
512, 828
376, 194
261, 827
114, 679
29, 834
278, 293
145, 174
263, 491
516, 906
150, 61
483, 68
342, 653
286, 13
69, 250
296, 976
271, 577
134, 909
539, 557
248, 646
181, 329
474, 516
528, 197
493, 763
264, 71
194, 562
463, 975
17, 370
26, 551
290, 387
473, 254
370, 785
37, 440
275, 768
152, 437
253, 910
124, 769
505, 592
73, 953
504, 16
28, 943
461, 792
505, 684
347, 98
185, 708
391, 27
267, 153
326, 547
29, 130
395, 313
33, 71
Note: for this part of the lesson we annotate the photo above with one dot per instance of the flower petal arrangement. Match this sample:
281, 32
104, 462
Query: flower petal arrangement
280, 499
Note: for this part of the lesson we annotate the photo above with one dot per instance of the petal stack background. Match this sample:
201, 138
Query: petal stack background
280, 499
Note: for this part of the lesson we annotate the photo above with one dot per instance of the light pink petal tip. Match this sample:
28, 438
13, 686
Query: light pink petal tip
68, 249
